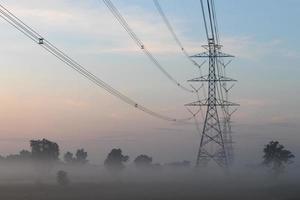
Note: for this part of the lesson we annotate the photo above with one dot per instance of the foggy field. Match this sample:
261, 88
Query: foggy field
149, 100
155, 190
41, 175
20, 182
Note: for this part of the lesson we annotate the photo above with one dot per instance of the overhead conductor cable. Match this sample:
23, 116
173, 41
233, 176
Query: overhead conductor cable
141, 45
33, 35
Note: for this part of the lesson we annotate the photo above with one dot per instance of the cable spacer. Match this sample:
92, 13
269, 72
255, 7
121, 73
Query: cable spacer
41, 41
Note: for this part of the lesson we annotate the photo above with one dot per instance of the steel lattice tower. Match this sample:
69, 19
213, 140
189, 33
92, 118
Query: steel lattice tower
212, 133
227, 130
215, 137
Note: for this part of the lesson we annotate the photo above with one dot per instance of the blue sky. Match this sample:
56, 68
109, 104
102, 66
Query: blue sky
43, 98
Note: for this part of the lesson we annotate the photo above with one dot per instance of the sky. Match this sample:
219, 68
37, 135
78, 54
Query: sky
43, 98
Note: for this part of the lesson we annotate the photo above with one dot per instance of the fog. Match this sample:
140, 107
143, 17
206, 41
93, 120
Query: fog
40, 98
27, 180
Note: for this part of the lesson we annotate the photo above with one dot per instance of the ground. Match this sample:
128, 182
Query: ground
145, 191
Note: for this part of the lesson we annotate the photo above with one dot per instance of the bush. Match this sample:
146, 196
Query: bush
62, 178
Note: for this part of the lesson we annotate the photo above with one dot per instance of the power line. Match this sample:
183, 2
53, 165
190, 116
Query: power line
179, 43
140, 44
211, 20
215, 21
37, 38
214, 36
204, 19
170, 28
212, 134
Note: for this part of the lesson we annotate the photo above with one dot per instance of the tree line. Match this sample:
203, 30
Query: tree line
48, 151
275, 157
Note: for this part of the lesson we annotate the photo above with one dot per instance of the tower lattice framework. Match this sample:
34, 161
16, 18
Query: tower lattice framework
212, 143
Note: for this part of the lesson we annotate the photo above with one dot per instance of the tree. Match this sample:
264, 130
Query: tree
81, 156
45, 153
44, 150
68, 157
143, 161
62, 178
180, 164
276, 157
13, 157
115, 160
25, 155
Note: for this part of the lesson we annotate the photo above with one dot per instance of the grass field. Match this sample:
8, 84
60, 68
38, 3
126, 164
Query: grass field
20, 182
145, 191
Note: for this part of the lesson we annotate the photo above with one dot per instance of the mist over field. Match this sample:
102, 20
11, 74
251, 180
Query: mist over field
20, 181
149, 100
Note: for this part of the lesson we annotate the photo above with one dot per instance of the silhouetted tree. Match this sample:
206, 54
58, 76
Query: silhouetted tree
25, 155
44, 154
143, 161
62, 178
181, 164
44, 150
13, 157
68, 157
115, 160
157, 166
276, 157
81, 156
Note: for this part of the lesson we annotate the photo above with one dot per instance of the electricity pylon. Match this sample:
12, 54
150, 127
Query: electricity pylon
212, 144
216, 129
227, 130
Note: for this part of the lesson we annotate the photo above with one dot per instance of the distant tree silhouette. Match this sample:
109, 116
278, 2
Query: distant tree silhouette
13, 157
44, 150
62, 178
157, 166
44, 154
276, 157
81, 156
181, 164
143, 161
68, 157
115, 160
25, 155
